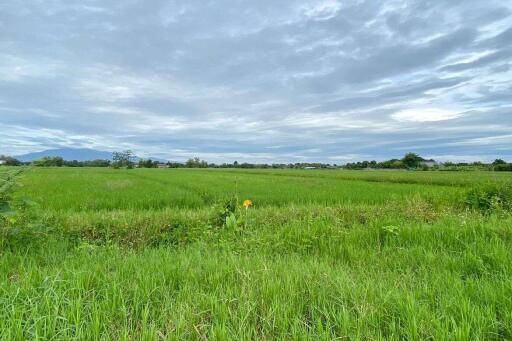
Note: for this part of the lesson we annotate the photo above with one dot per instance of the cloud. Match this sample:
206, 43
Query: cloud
319, 80
491, 58
425, 115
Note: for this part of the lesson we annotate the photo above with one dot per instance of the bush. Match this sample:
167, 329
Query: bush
225, 209
47, 161
507, 167
490, 197
10, 161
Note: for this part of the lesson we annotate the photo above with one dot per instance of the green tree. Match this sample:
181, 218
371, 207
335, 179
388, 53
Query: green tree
9, 161
196, 163
148, 163
48, 161
123, 159
412, 160
97, 163
499, 162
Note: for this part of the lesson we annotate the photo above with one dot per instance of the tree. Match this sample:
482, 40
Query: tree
148, 163
412, 160
501, 166
97, 163
196, 163
507, 167
48, 161
10, 161
175, 164
499, 162
123, 159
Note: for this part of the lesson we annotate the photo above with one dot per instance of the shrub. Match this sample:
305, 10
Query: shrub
490, 197
225, 208
507, 167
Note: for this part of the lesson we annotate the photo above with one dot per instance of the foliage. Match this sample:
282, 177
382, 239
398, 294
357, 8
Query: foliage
225, 209
232, 222
498, 162
48, 161
196, 163
9, 161
148, 163
123, 159
412, 160
503, 167
490, 197
415, 162
17, 226
409, 161
88, 163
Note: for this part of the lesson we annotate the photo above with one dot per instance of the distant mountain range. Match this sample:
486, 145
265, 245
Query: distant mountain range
79, 154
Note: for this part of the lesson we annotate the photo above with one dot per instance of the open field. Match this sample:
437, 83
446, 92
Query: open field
149, 254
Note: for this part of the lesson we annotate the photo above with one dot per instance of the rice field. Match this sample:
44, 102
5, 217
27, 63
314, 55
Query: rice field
171, 254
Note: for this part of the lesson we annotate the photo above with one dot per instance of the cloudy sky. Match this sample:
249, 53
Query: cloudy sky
261, 80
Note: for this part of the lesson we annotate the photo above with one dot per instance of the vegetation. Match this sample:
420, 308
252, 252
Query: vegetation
48, 161
91, 163
412, 160
254, 254
60, 162
9, 161
123, 159
490, 197
148, 163
126, 159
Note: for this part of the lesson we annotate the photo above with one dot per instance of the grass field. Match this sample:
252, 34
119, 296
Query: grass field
171, 254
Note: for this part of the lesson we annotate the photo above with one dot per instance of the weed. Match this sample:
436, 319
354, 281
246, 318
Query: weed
225, 209
490, 197
232, 222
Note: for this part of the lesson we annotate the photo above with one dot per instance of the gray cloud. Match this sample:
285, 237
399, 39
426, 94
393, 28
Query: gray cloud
265, 81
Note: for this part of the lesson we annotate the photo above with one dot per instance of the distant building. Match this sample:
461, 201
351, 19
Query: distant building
2, 162
428, 163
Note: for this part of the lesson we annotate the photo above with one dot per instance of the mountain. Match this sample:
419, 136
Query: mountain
79, 154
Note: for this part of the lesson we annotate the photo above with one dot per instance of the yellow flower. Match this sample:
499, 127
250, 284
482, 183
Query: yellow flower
247, 203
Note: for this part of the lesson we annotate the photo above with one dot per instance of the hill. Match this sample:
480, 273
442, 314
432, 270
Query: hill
79, 154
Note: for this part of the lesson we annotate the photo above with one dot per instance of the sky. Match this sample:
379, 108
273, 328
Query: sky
258, 81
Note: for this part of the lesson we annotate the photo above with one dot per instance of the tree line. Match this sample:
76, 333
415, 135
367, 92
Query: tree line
126, 159
409, 161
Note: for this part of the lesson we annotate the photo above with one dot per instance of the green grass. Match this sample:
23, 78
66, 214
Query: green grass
144, 254
107, 189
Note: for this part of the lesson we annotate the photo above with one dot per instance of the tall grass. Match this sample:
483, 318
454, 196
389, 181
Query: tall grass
143, 255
